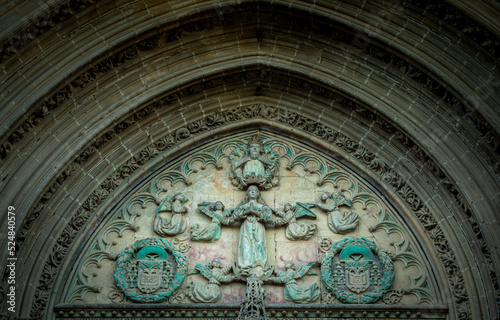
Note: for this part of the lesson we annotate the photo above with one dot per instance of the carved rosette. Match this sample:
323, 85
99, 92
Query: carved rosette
146, 273
357, 271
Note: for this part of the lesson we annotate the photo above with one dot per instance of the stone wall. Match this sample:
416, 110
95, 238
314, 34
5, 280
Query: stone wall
95, 93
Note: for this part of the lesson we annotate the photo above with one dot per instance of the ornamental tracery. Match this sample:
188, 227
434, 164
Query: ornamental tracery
220, 251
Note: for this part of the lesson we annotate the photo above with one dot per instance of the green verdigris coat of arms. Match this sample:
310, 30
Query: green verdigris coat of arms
146, 273
357, 271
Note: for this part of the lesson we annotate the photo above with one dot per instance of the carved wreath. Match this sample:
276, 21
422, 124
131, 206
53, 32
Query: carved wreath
124, 262
347, 297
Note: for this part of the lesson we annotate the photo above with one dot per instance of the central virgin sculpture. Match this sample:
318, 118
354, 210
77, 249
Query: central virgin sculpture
252, 245
254, 167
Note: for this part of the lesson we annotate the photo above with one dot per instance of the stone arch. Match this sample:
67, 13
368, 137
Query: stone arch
75, 106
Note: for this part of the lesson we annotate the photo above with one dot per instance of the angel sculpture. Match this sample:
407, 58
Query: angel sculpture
255, 165
340, 222
295, 230
215, 274
176, 224
213, 231
293, 292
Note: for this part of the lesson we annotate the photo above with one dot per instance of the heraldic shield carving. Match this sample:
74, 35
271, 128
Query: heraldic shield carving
357, 271
146, 272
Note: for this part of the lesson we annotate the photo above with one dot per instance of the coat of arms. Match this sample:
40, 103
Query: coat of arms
357, 271
145, 273
152, 268
357, 263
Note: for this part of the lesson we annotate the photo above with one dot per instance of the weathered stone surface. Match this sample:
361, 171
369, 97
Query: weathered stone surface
95, 94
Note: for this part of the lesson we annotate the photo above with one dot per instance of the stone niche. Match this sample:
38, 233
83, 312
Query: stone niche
168, 248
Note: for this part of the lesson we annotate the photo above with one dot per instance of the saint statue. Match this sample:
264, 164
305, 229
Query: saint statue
256, 165
252, 245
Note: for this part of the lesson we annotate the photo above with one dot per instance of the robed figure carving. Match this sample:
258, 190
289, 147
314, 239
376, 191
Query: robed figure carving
177, 223
297, 230
255, 165
216, 274
294, 292
252, 245
339, 221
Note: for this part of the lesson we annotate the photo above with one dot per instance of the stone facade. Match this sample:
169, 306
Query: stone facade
102, 97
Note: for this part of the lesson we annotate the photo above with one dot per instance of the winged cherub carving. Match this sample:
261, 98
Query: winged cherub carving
177, 223
297, 230
211, 232
340, 222
293, 292
215, 274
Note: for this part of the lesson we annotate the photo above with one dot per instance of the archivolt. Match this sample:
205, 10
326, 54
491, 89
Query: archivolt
144, 83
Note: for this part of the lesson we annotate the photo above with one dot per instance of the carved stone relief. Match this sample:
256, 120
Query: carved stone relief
297, 230
215, 274
341, 222
422, 213
254, 165
250, 242
447, 13
357, 271
145, 273
176, 223
211, 232
293, 292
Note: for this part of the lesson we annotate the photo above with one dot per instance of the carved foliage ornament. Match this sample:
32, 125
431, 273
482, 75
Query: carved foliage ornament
252, 306
357, 271
145, 272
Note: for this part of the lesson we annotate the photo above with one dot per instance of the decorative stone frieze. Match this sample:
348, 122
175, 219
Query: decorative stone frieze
278, 312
